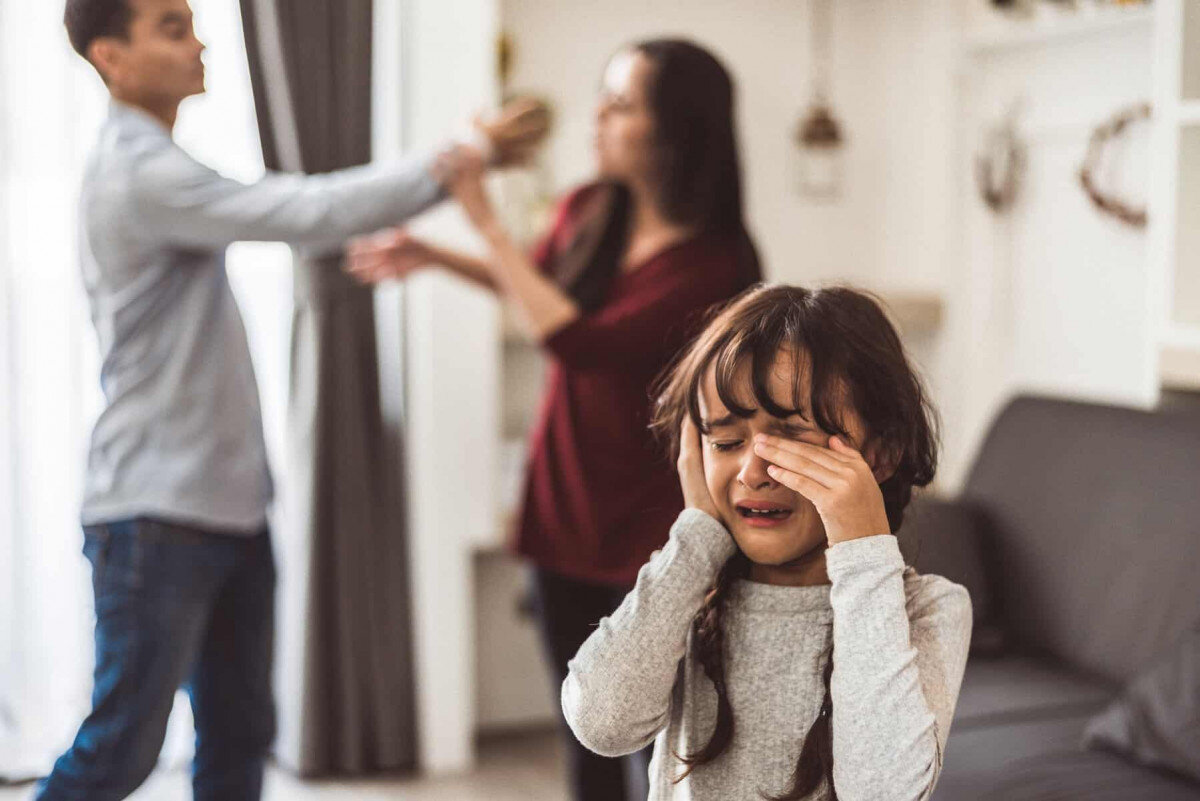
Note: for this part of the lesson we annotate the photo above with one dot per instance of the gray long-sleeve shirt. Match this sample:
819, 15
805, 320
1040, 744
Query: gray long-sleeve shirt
899, 650
180, 435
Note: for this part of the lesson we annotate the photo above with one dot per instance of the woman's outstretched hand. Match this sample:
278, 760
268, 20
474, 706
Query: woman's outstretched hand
691, 471
390, 253
837, 479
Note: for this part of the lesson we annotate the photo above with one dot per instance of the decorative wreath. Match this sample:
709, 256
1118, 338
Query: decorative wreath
999, 167
1100, 139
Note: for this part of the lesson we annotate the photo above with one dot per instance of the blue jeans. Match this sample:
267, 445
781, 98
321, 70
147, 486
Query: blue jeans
175, 606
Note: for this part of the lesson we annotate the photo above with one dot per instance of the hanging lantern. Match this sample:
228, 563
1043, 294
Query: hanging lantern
821, 153
819, 136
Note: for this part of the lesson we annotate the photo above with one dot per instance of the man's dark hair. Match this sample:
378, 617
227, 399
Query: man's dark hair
87, 20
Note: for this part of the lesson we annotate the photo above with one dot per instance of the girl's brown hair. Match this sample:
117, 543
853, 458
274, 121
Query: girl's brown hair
854, 360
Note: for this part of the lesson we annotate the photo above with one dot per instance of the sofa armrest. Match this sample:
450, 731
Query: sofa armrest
949, 538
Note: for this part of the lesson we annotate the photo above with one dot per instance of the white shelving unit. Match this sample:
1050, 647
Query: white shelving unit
1189, 112
1175, 194
1001, 34
1179, 364
1171, 29
1055, 296
1182, 337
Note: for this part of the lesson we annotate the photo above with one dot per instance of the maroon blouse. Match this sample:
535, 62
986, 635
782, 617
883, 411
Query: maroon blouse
601, 493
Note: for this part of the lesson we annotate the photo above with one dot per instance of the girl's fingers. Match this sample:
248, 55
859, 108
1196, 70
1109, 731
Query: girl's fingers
691, 470
827, 474
797, 482
826, 456
840, 446
689, 440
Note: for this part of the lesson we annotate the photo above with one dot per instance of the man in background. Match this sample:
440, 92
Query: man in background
177, 485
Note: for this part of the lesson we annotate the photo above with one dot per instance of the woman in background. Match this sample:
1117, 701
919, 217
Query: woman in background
615, 289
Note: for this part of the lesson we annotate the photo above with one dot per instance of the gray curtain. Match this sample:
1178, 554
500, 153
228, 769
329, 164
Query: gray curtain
310, 67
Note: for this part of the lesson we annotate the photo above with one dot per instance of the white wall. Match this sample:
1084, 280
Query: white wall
1053, 297
451, 363
50, 107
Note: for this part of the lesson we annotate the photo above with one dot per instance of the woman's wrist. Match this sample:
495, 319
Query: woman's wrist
492, 230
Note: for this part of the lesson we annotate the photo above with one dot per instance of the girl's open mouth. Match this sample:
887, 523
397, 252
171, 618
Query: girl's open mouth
760, 514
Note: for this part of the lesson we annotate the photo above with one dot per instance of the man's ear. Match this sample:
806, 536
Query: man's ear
883, 460
106, 55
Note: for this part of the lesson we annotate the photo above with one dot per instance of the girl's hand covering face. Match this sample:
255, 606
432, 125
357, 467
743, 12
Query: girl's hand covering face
691, 471
837, 480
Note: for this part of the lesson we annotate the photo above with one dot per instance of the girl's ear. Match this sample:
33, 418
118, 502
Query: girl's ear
883, 461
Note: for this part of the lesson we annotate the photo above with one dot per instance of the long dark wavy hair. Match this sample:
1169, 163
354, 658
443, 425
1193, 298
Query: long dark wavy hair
856, 361
697, 167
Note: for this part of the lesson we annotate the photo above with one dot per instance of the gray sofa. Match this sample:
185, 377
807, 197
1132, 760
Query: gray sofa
1078, 535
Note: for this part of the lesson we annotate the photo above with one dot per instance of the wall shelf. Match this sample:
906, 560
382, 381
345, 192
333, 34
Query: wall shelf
1005, 34
1179, 357
1189, 112
1179, 368
1182, 337
914, 313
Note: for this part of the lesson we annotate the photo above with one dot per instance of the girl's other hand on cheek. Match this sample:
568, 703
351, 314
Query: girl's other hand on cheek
837, 480
691, 471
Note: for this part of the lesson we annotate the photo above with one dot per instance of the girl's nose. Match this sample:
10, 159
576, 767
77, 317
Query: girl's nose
753, 474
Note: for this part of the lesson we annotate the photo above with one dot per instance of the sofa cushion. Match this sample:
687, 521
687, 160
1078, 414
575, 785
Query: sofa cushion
1094, 511
978, 757
1090, 776
1041, 760
1018, 688
944, 537
948, 538
1156, 720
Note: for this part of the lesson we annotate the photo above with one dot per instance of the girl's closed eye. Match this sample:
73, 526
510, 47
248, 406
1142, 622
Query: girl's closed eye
722, 434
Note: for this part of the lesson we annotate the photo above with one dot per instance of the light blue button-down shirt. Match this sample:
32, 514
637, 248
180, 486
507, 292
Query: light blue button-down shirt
180, 436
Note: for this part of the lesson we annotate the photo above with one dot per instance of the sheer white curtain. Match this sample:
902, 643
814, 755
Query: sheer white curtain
48, 392
51, 105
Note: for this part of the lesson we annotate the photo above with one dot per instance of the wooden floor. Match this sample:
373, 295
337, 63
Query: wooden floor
526, 767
